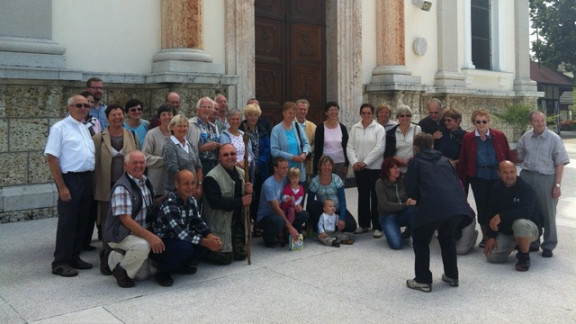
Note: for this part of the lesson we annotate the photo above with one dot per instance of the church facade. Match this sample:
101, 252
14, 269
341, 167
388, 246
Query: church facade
468, 53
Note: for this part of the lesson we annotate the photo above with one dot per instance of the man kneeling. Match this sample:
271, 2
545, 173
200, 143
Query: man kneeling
183, 231
126, 229
516, 220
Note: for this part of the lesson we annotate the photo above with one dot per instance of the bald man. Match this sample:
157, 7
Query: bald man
515, 220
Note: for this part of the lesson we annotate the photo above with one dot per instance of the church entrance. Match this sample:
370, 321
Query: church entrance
290, 55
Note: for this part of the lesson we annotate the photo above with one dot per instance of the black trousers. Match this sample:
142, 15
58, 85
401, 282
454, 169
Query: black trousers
367, 199
422, 235
73, 217
481, 190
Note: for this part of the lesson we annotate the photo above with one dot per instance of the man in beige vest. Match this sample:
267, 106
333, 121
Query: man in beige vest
310, 129
225, 196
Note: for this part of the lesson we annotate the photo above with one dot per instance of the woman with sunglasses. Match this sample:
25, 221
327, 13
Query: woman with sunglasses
135, 123
404, 135
480, 154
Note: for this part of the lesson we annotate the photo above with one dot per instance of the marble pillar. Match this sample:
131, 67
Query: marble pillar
448, 75
522, 83
182, 40
240, 50
344, 57
391, 45
26, 36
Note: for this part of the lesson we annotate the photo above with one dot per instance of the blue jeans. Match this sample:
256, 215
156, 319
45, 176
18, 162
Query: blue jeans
391, 224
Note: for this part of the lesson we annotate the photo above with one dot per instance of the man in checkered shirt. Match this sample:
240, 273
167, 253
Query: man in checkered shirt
183, 231
126, 228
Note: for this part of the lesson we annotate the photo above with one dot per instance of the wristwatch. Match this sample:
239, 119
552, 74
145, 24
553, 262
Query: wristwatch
557, 185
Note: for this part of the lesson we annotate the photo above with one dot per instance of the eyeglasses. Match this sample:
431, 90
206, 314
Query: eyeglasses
481, 122
79, 105
135, 109
433, 113
229, 154
448, 120
404, 116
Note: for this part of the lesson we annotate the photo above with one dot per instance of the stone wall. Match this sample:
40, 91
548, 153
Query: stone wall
27, 110
465, 103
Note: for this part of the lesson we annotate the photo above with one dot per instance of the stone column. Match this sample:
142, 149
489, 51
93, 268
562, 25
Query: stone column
522, 84
240, 50
182, 39
26, 35
390, 45
448, 75
468, 64
344, 57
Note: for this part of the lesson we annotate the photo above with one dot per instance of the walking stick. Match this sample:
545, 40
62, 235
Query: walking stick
248, 220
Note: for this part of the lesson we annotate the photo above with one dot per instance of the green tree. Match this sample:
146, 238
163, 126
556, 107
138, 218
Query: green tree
555, 23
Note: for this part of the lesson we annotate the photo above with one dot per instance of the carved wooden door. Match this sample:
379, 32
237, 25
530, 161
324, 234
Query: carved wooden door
290, 55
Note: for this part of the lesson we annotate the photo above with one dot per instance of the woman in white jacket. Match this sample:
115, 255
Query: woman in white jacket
365, 150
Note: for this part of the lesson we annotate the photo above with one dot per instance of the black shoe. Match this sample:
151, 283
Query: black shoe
64, 270
187, 269
89, 248
122, 277
523, 263
104, 268
164, 279
450, 281
270, 244
239, 257
80, 264
335, 243
534, 248
547, 253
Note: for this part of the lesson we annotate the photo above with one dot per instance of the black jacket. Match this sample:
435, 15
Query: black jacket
512, 203
432, 182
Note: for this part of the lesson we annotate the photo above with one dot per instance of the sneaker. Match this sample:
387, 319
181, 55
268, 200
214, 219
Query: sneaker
412, 284
122, 277
361, 230
547, 253
377, 234
335, 243
523, 263
104, 267
187, 269
64, 270
80, 264
164, 279
450, 281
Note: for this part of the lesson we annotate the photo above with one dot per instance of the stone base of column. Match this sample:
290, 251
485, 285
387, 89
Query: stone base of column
526, 87
394, 74
31, 53
185, 60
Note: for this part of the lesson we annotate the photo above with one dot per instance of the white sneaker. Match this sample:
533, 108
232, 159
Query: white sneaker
377, 234
361, 230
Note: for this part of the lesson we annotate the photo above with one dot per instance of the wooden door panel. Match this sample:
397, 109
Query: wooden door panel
306, 43
306, 10
270, 89
269, 8
270, 46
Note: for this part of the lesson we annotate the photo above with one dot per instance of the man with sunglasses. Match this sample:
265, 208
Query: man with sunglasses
434, 123
70, 156
226, 194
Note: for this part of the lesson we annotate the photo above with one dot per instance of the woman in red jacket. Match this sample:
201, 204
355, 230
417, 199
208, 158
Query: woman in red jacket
480, 154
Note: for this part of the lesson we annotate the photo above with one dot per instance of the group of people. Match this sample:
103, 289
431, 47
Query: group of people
172, 191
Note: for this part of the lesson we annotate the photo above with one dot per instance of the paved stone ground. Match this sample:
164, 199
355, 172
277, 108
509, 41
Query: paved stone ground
362, 283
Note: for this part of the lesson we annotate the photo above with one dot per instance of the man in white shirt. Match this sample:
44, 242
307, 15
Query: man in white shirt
70, 156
